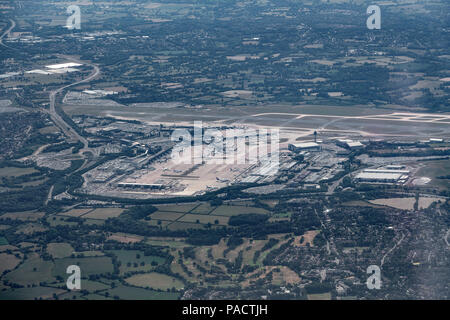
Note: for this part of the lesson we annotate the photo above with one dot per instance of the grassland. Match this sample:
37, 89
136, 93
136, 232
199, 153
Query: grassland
33, 271
166, 215
135, 260
30, 293
236, 210
88, 265
103, 213
133, 293
204, 219
435, 169
183, 208
16, 172
8, 262
405, 203
60, 250
320, 296
23, 216
155, 281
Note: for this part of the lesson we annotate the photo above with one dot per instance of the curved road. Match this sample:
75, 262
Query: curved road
58, 120
13, 25
63, 125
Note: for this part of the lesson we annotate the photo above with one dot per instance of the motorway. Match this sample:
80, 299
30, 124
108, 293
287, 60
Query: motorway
70, 132
58, 120
13, 25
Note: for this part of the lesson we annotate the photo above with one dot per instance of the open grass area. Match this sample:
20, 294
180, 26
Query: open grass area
236, 210
135, 260
33, 271
23, 216
31, 228
405, 203
3, 241
93, 286
157, 223
88, 265
183, 208
184, 226
104, 213
60, 250
125, 238
96, 222
204, 219
60, 221
133, 293
75, 212
166, 215
8, 262
155, 281
167, 243
204, 208
320, 296
434, 169
16, 172
30, 293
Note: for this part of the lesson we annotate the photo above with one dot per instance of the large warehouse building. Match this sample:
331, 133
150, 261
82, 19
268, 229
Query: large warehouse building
382, 176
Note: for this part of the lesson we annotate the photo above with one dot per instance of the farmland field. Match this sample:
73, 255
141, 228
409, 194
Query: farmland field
133, 293
16, 172
8, 262
236, 210
33, 271
155, 281
131, 260
319, 296
435, 169
23, 216
183, 208
103, 213
204, 219
60, 250
89, 265
405, 203
166, 215
30, 293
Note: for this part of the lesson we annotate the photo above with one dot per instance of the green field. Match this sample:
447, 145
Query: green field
166, 215
89, 266
157, 223
236, 210
16, 172
60, 250
3, 241
155, 281
60, 221
183, 208
434, 169
184, 226
132, 293
93, 286
104, 213
131, 260
33, 271
204, 208
30, 293
93, 222
204, 219
320, 296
